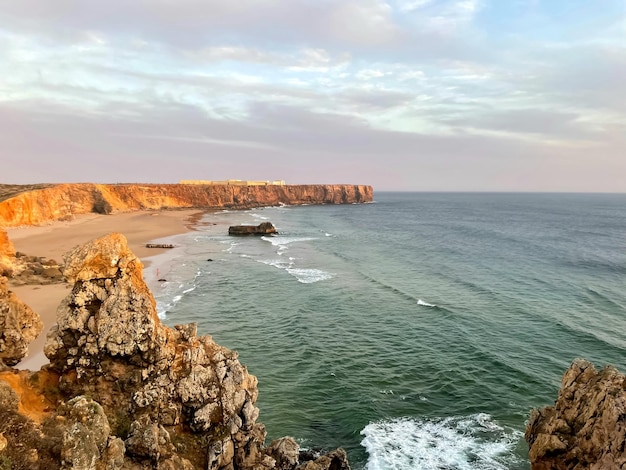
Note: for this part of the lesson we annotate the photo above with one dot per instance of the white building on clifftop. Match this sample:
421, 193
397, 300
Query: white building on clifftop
235, 182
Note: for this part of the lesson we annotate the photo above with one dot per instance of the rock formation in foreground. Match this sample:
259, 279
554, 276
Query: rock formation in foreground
19, 326
64, 201
7, 254
586, 428
123, 391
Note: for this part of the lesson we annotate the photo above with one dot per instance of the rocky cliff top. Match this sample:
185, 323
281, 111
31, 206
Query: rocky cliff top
10, 190
64, 201
586, 428
124, 391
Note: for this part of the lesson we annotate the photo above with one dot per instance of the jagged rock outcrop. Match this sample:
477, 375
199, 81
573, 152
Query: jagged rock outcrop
35, 270
7, 254
266, 228
64, 201
110, 344
152, 382
335, 460
586, 428
19, 326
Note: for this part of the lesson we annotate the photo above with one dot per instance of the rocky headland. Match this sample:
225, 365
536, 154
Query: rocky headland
64, 201
586, 427
124, 391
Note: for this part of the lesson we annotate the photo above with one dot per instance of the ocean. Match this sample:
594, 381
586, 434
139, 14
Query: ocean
417, 331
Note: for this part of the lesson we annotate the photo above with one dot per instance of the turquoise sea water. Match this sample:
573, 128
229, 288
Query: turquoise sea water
417, 331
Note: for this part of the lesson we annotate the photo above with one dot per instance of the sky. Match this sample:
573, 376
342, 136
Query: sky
407, 95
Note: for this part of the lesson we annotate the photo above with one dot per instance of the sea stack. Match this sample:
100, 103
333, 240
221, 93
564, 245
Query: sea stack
266, 228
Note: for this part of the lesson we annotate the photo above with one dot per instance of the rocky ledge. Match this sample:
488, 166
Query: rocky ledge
586, 428
124, 391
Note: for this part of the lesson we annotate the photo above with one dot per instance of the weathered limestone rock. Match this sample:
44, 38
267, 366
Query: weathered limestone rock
7, 254
19, 325
285, 451
586, 428
110, 344
35, 270
335, 460
86, 434
149, 440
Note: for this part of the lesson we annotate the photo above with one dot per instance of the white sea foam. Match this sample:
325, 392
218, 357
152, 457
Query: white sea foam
231, 247
174, 296
309, 276
473, 442
424, 304
277, 263
280, 241
303, 275
283, 242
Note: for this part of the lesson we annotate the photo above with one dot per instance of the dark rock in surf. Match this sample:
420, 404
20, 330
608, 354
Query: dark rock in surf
266, 228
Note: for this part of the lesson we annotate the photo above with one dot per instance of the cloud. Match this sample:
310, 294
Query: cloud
56, 144
192, 24
546, 123
426, 93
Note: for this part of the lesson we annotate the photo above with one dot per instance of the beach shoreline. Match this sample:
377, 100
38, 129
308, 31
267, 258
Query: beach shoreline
54, 239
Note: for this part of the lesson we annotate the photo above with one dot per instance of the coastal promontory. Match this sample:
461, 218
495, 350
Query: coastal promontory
39, 205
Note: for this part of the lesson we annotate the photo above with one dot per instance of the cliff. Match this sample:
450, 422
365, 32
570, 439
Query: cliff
64, 201
586, 428
124, 391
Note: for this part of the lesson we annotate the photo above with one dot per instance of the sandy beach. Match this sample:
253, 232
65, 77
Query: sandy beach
53, 240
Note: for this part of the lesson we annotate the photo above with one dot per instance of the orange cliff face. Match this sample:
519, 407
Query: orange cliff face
63, 201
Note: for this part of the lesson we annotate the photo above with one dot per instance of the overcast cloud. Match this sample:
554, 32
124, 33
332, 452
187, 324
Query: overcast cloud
444, 95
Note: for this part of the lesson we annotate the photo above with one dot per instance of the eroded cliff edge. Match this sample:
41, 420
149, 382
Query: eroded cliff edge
63, 201
124, 391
